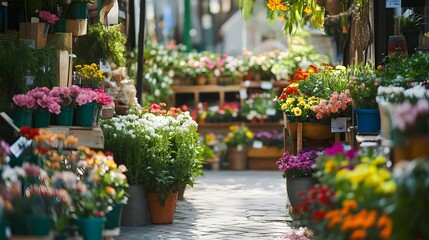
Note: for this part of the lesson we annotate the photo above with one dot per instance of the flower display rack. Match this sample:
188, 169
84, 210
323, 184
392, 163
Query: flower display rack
263, 158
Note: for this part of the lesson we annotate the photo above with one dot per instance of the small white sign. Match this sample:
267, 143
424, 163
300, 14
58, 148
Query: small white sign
247, 83
338, 125
29, 80
393, 3
18, 147
243, 93
266, 85
270, 111
257, 144
105, 67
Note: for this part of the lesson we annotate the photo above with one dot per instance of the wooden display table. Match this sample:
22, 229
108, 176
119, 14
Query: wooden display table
88, 137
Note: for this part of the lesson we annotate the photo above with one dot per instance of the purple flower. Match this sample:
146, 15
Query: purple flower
298, 166
337, 148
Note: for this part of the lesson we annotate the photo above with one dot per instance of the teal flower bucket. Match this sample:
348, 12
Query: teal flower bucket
60, 25
65, 117
85, 115
91, 228
368, 120
78, 11
22, 117
41, 118
40, 225
113, 218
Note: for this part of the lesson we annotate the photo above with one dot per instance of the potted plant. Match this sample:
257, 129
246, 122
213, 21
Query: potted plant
78, 9
90, 76
67, 100
298, 171
122, 133
107, 44
411, 27
363, 84
22, 111
44, 105
238, 139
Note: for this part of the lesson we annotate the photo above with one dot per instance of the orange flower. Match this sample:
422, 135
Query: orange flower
282, 18
282, 7
334, 221
271, 6
348, 223
349, 205
385, 223
71, 140
358, 234
307, 10
110, 190
370, 219
332, 213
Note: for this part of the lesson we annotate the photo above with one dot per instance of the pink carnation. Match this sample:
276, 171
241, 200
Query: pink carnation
50, 103
86, 95
103, 98
48, 17
24, 100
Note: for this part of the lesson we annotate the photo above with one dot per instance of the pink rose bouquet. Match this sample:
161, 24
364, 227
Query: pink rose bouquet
86, 95
66, 95
24, 100
44, 100
48, 17
102, 98
338, 105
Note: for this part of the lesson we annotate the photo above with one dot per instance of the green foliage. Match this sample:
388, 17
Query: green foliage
364, 81
402, 72
101, 43
246, 7
414, 21
19, 60
410, 209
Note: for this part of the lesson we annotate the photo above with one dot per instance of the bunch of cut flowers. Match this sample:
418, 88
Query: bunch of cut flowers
301, 165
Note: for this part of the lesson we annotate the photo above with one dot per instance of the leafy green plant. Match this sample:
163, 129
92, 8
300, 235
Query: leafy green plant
412, 190
101, 43
414, 21
19, 60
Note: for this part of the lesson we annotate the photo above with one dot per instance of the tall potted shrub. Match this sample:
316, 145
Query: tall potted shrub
173, 158
122, 133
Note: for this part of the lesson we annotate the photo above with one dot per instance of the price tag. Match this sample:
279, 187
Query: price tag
393, 3
18, 147
243, 93
266, 85
105, 67
270, 111
29, 80
257, 144
338, 125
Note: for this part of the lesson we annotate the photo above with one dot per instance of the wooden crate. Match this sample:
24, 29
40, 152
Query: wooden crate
77, 27
264, 158
88, 137
36, 32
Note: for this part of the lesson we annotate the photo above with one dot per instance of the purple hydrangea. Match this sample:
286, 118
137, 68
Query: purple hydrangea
301, 165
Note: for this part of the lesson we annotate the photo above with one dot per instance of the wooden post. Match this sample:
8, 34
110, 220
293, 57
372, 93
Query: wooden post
298, 137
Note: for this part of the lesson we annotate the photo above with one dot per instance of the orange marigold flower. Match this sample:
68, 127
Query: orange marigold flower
334, 221
348, 223
332, 213
385, 223
358, 234
271, 6
370, 219
349, 205
282, 18
282, 7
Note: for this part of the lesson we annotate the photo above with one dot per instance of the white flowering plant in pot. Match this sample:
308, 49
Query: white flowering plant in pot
166, 153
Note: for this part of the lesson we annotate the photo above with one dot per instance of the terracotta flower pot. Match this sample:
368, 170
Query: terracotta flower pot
159, 214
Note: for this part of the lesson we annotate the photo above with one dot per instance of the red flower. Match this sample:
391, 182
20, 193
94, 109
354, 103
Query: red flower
28, 132
42, 150
318, 215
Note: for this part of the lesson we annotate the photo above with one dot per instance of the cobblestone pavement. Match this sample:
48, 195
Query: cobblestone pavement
226, 205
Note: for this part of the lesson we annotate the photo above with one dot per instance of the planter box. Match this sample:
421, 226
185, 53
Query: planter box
77, 27
36, 32
264, 158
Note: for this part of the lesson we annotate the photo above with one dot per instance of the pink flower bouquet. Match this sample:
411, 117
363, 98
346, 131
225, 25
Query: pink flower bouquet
66, 95
338, 105
24, 100
44, 100
86, 95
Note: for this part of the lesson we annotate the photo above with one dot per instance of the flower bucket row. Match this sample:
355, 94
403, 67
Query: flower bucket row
70, 106
56, 191
354, 195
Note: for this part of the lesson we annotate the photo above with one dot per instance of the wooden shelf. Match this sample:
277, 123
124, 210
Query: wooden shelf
196, 90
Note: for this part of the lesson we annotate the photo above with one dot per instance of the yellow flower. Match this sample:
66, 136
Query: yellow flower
300, 99
388, 187
282, 7
379, 160
330, 166
284, 106
249, 134
308, 106
297, 111
233, 128
307, 10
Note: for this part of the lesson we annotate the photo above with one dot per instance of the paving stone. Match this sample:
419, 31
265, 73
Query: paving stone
225, 205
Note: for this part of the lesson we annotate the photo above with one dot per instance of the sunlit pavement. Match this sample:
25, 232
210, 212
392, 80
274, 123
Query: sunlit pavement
226, 205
